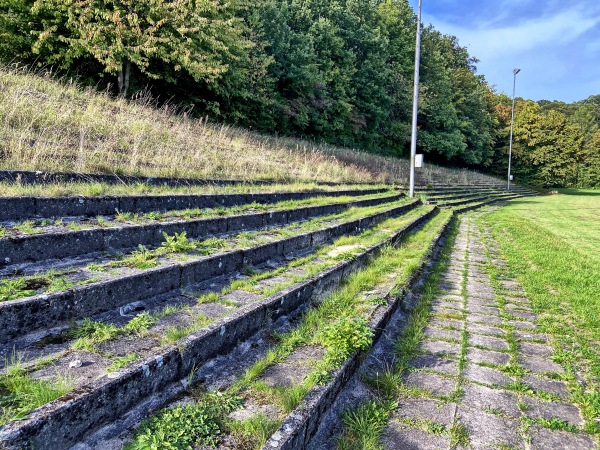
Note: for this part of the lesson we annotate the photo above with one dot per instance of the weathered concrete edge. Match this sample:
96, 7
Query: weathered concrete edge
43, 311
21, 208
301, 424
460, 195
452, 204
64, 421
33, 248
38, 177
41, 177
488, 202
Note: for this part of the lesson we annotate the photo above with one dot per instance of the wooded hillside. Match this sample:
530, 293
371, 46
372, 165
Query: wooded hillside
338, 71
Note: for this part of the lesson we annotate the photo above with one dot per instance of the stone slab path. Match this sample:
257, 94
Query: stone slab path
485, 378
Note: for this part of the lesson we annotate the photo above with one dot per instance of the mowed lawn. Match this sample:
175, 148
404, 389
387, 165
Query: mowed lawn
552, 244
555, 240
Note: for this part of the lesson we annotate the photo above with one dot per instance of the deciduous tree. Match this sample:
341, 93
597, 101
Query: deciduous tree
193, 36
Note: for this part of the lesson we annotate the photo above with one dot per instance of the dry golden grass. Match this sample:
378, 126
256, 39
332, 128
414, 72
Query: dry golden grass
53, 125
58, 189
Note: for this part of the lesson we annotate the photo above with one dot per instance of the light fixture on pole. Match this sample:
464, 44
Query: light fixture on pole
413, 142
512, 125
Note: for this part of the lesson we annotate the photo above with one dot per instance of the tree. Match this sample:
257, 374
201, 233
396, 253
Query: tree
547, 145
398, 23
193, 36
589, 174
16, 20
330, 70
439, 132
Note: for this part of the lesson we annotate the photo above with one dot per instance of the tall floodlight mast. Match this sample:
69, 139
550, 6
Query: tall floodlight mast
413, 142
512, 125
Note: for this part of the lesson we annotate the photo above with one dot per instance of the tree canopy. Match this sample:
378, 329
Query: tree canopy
339, 71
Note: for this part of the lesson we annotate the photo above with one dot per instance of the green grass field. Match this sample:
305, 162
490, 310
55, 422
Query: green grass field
552, 244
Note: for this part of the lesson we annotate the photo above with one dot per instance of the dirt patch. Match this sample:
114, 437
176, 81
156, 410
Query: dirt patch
241, 298
294, 369
551, 290
125, 347
79, 368
342, 249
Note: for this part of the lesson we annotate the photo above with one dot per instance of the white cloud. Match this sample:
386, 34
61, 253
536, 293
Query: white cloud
486, 42
558, 50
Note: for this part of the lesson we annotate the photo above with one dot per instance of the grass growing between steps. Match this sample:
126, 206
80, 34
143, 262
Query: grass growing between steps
179, 245
323, 258
144, 258
51, 281
365, 423
21, 394
192, 425
88, 334
338, 325
79, 189
36, 226
552, 246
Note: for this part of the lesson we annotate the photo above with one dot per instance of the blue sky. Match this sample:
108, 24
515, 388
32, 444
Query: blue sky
556, 43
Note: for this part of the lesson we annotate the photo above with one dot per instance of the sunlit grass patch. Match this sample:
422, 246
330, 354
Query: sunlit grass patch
20, 393
552, 245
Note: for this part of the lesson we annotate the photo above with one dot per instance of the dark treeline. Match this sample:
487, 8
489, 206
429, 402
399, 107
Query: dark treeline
339, 71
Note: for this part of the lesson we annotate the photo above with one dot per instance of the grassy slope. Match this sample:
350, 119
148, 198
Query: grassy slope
553, 245
59, 126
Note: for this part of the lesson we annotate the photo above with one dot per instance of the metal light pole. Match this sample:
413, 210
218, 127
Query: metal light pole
512, 124
413, 143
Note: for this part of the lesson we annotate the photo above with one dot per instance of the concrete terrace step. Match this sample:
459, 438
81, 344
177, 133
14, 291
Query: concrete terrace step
22, 208
474, 199
238, 313
45, 310
65, 421
52, 245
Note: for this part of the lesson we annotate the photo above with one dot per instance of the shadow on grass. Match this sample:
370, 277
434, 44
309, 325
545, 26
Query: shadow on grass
580, 192
528, 201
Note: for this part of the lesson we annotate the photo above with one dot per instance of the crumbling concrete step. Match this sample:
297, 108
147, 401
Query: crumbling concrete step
47, 310
470, 199
40, 247
489, 201
459, 195
22, 208
301, 425
312, 422
63, 422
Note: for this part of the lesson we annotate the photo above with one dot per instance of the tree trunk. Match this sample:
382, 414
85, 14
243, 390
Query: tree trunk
123, 78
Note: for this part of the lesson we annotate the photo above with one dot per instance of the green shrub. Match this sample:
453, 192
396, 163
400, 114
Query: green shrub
179, 243
346, 336
140, 322
187, 426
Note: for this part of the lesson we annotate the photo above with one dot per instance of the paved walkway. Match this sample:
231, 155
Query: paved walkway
485, 378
